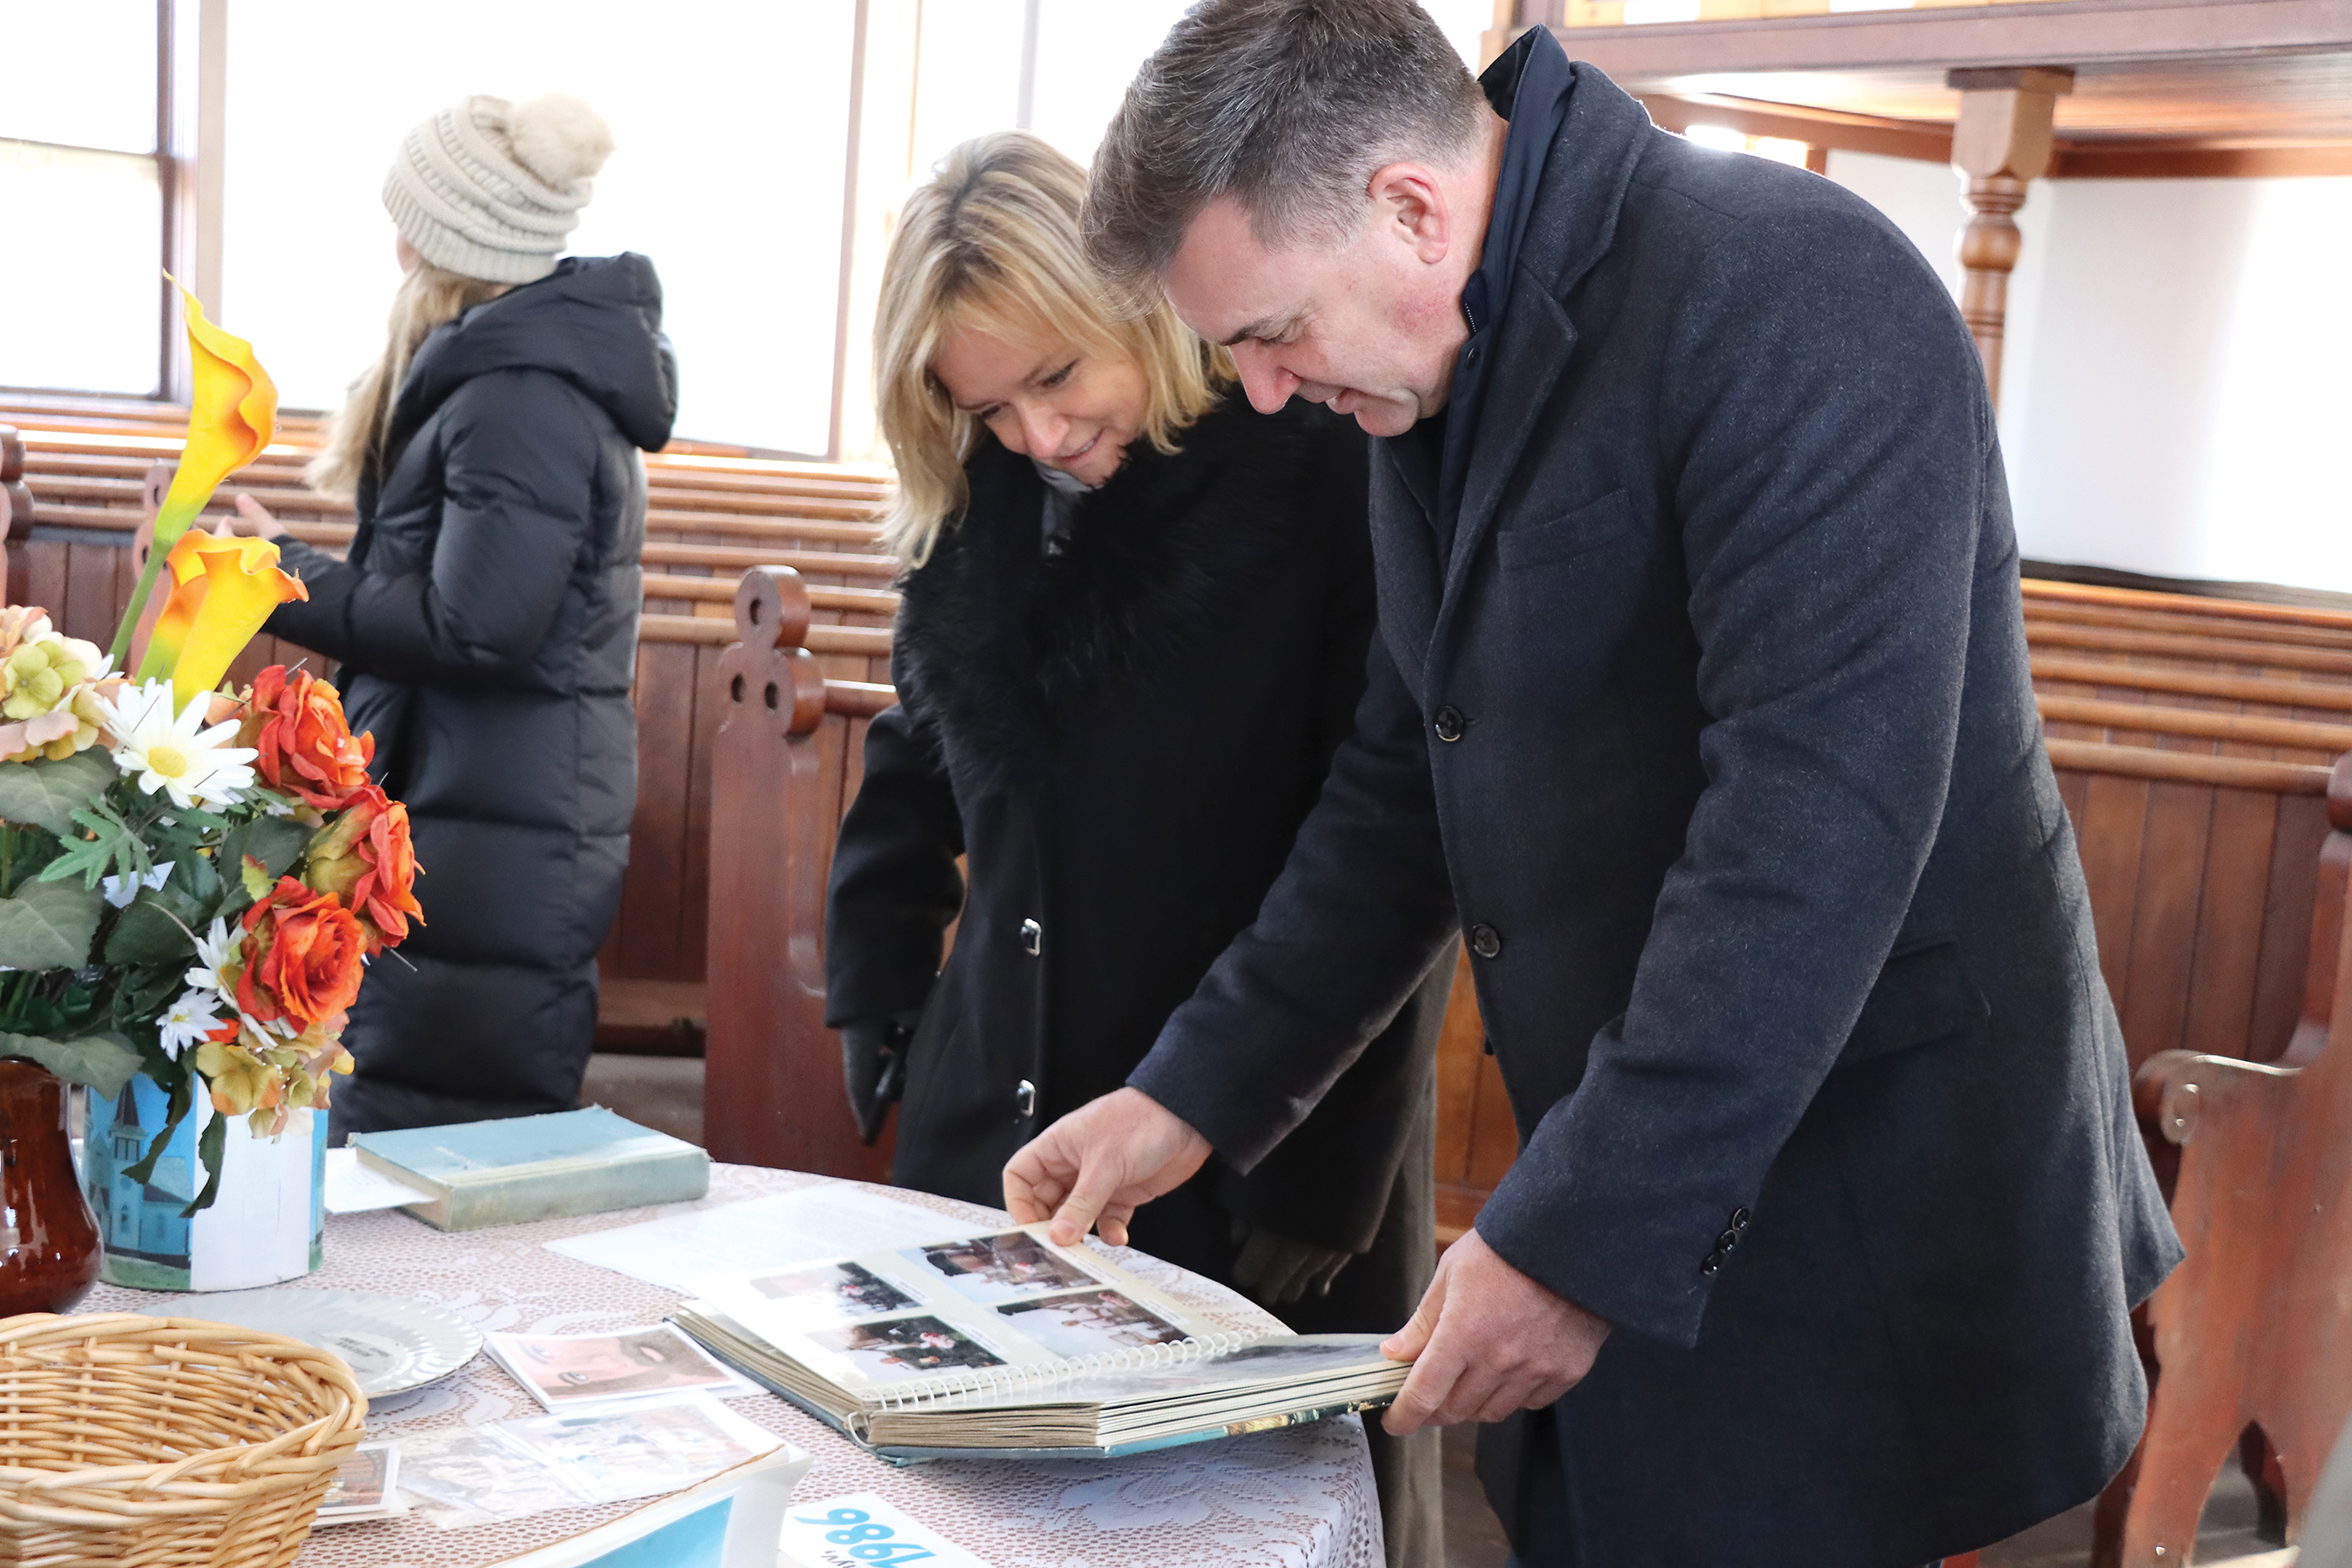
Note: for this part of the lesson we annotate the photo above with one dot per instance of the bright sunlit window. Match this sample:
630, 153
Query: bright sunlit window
1724, 139
81, 184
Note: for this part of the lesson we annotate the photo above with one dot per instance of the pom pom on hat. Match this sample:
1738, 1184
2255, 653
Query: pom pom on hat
489, 190
559, 138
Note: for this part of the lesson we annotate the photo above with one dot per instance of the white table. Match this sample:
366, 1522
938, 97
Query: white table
1297, 1497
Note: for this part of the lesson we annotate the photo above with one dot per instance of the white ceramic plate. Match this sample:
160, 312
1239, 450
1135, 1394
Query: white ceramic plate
391, 1343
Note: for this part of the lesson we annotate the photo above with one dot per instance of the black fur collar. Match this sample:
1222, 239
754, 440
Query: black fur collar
999, 648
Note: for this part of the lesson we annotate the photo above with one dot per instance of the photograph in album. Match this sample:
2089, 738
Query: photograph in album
1000, 1268
833, 1292
1006, 1343
1088, 1323
903, 1348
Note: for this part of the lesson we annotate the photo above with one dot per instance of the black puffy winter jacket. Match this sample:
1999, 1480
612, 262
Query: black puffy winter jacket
486, 625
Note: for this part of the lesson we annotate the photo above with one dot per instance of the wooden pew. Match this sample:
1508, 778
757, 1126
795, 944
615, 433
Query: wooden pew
785, 762
2252, 1346
713, 513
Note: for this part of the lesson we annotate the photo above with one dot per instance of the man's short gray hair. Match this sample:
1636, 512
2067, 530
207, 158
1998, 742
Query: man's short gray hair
1286, 106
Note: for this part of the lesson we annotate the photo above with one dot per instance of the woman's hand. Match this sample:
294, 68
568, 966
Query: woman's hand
253, 519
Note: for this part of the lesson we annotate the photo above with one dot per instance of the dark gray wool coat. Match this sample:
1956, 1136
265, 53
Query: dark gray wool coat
486, 624
1123, 739
1714, 732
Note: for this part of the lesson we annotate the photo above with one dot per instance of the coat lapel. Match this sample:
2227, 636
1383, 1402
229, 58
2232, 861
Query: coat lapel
1571, 229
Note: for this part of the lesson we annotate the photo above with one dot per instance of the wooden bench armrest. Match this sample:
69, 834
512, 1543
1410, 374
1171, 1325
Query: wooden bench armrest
2180, 1093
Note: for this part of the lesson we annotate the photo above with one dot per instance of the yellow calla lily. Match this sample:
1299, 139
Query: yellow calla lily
222, 590
231, 419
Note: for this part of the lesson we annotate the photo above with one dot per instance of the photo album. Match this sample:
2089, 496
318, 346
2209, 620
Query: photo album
1009, 1345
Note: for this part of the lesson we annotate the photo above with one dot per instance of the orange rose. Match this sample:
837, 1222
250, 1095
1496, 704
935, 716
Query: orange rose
307, 748
302, 953
364, 857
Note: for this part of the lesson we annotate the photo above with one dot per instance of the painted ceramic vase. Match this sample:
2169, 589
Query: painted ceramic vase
266, 1226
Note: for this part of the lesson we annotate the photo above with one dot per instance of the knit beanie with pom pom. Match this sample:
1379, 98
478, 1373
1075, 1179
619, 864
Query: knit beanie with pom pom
489, 189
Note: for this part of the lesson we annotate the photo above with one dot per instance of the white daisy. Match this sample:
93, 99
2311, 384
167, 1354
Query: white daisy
213, 954
178, 755
187, 1021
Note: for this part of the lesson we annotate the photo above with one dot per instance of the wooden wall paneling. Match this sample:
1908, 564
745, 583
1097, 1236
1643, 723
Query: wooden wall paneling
89, 599
694, 913
45, 577
1494, 1132
2114, 813
2154, 1002
2229, 922
1460, 1046
2287, 923
2073, 787
652, 907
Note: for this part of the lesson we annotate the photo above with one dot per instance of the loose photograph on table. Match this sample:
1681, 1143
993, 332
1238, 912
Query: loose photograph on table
831, 1292
898, 1349
642, 1449
567, 1371
473, 1476
1088, 1323
364, 1484
991, 1268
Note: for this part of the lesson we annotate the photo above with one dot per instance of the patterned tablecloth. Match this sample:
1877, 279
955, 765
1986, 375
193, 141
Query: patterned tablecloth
1298, 1498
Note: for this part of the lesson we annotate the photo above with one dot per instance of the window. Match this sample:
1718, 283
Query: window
83, 179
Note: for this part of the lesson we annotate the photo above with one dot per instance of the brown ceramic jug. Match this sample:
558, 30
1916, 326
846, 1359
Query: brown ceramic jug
48, 1242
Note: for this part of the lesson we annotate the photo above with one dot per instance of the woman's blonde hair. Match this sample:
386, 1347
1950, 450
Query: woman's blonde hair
427, 296
992, 241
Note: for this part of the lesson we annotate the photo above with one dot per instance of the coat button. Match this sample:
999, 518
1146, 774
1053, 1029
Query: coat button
1024, 1098
1450, 723
1033, 938
1740, 1219
1714, 1261
1727, 1241
1486, 941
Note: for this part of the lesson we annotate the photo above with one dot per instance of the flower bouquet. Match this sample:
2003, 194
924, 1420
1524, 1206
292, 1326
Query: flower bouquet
192, 877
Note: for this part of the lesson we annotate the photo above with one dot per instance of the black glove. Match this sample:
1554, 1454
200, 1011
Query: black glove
874, 1069
1276, 1269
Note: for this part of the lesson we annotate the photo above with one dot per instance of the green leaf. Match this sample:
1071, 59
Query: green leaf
49, 925
180, 1099
154, 930
105, 1062
209, 1144
47, 793
113, 843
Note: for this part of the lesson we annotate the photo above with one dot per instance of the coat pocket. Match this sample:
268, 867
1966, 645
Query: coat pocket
1924, 993
1588, 527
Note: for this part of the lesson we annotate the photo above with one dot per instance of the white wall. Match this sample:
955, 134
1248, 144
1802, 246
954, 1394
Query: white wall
2175, 392
731, 123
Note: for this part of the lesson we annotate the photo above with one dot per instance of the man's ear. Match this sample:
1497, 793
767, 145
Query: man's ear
1409, 202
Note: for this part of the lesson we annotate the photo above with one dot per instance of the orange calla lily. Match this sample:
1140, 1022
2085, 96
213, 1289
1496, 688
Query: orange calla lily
222, 590
231, 419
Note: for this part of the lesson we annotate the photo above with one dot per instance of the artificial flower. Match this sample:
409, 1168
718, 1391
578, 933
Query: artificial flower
194, 765
219, 960
302, 958
241, 1081
187, 1021
222, 590
230, 420
367, 860
305, 746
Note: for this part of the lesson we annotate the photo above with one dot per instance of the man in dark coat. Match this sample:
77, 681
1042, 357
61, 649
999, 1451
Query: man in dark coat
486, 624
1701, 701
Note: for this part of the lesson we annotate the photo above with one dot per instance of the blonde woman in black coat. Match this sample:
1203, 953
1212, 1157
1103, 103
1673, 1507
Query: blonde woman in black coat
1134, 628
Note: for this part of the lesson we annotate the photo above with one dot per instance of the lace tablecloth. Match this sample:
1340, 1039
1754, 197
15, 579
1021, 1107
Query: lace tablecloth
1298, 1498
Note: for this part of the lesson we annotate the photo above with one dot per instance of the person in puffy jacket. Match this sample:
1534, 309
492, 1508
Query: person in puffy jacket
485, 620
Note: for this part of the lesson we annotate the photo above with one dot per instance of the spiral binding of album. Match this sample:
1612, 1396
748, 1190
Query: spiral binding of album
1041, 1374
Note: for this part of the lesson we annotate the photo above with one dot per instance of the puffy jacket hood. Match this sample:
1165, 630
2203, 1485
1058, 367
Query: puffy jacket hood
596, 320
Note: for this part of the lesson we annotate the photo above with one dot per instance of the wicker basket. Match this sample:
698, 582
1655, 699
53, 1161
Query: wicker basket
164, 1441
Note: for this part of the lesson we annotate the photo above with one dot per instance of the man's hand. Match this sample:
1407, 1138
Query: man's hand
252, 519
1100, 1163
1486, 1341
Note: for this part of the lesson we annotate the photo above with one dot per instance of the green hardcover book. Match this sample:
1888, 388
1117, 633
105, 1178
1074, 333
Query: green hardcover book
536, 1167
